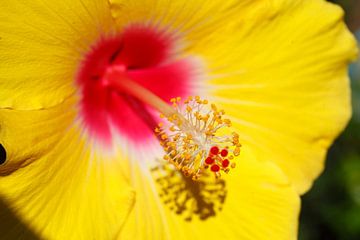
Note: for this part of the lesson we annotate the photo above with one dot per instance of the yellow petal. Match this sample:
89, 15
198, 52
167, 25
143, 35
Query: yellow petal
179, 15
279, 68
259, 203
290, 96
41, 44
55, 179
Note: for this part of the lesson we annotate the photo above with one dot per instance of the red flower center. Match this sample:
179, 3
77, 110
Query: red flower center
148, 57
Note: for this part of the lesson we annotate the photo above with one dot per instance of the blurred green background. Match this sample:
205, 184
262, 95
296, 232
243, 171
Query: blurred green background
331, 210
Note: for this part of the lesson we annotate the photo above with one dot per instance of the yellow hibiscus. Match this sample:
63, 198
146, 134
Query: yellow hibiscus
80, 160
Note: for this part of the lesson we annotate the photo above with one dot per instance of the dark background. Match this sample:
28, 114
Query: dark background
331, 210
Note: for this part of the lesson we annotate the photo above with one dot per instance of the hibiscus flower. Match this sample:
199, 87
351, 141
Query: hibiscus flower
80, 159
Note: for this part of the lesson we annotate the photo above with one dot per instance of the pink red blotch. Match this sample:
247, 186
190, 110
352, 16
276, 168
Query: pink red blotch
147, 54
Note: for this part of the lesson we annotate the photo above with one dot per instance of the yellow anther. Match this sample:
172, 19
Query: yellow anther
206, 117
176, 137
214, 108
227, 121
237, 151
190, 98
209, 133
193, 132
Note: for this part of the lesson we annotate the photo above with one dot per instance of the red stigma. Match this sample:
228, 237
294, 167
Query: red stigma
214, 150
209, 160
215, 168
225, 163
224, 152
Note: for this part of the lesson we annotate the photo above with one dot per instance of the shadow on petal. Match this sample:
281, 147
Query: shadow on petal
203, 198
12, 227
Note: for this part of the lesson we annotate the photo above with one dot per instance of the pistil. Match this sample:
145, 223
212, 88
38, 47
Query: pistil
116, 77
193, 136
